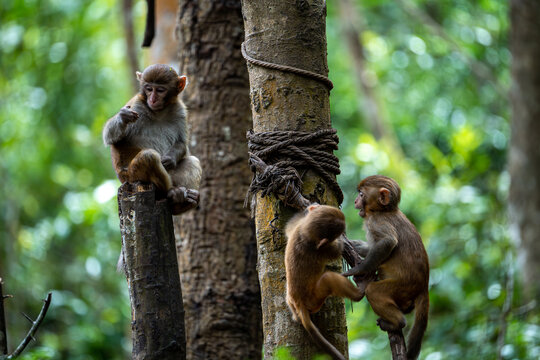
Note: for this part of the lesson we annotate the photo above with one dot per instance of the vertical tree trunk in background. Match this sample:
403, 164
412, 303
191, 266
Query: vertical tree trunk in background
157, 315
217, 249
351, 32
131, 52
524, 159
164, 49
289, 33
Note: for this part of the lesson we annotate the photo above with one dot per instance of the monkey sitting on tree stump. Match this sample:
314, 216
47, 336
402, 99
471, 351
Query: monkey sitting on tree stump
157, 311
148, 139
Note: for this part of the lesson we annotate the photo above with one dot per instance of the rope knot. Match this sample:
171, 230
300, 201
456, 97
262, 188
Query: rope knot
276, 157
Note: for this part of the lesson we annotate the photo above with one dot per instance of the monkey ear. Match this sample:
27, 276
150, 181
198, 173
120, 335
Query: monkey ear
182, 82
322, 242
139, 75
384, 196
313, 206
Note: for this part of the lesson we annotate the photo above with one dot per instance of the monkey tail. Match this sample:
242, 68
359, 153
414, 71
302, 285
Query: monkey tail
416, 334
317, 336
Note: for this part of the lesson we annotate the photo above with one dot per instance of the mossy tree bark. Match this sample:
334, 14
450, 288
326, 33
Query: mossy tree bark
289, 33
216, 247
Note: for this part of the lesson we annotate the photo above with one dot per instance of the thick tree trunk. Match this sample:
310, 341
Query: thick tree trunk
217, 249
524, 160
289, 33
157, 315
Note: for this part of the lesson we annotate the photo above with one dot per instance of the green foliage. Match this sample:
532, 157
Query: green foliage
63, 73
452, 129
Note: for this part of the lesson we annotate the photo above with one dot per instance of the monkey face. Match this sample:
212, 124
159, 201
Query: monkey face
155, 96
360, 203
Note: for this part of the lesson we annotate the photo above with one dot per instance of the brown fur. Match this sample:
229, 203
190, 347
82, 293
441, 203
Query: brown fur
313, 241
396, 252
148, 139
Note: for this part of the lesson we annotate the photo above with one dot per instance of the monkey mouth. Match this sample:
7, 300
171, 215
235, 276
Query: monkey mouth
362, 212
155, 107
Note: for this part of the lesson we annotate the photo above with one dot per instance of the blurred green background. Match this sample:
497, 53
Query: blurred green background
64, 72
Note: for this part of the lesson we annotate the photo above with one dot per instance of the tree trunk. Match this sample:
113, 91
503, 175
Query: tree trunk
217, 249
131, 51
164, 49
289, 33
157, 315
350, 25
524, 159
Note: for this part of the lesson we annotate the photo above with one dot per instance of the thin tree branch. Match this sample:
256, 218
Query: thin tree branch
35, 325
3, 332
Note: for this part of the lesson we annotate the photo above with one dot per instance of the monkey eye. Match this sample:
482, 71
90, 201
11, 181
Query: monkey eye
160, 89
360, 193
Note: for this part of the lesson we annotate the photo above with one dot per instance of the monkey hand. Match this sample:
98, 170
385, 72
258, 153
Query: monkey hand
127, 115
168, 162
182, 199
358, 271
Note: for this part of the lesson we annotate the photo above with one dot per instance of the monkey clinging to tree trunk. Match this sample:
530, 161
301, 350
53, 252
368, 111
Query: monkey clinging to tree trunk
148, 139
395, 251
312, 242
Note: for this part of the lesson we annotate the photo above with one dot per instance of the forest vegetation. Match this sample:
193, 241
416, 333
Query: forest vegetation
438, 73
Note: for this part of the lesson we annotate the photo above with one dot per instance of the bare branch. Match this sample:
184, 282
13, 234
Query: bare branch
3, 332
33, 329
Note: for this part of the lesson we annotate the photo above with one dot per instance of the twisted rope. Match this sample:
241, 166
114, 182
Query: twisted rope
284, 153
309, 74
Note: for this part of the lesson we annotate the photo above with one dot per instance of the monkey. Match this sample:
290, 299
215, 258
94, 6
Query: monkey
313, 241
394, 250
148, 139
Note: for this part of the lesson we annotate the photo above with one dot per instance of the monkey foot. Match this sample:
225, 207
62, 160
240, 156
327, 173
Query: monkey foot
182, 199
389, 327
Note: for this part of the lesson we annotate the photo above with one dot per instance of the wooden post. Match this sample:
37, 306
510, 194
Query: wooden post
293, 34
151, 268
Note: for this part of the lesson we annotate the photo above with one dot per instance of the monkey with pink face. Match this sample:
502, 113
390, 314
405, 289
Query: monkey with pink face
148, 139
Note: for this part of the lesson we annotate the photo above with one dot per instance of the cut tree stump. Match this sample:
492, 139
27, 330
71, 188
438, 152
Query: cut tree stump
149, 251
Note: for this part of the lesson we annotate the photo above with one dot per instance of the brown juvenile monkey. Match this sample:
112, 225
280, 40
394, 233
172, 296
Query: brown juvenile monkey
313, 241
395, 251
148, 138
